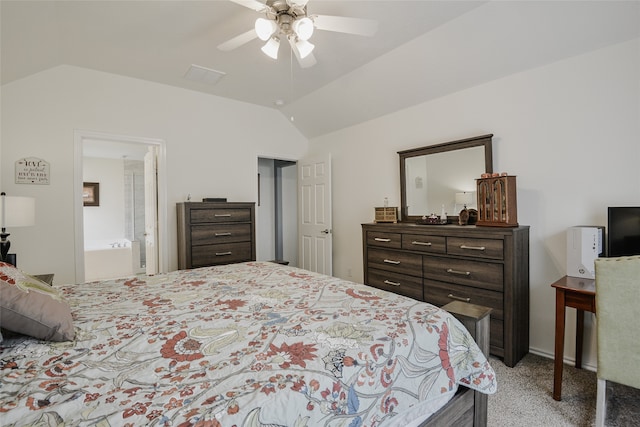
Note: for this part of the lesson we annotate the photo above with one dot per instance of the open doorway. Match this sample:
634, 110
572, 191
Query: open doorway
119, 233
277, 226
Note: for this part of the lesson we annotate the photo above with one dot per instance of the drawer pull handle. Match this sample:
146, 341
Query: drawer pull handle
389, 282
221, 215
390, 261
223, 253
473, 248
380, 239
452, 296
415, 242
462, 273
222, 234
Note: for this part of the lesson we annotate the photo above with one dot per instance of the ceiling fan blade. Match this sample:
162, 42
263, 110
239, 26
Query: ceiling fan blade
307, 61
238, 41
343, 24
251, 4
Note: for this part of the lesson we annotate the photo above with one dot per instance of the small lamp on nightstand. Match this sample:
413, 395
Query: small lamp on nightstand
14, 212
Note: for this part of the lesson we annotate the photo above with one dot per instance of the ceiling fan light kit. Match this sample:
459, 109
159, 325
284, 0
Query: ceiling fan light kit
271, 47
304, 48
289, 19
303, 28
265, 28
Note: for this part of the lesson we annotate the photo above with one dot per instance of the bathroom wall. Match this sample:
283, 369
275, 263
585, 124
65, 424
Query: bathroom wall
107, 220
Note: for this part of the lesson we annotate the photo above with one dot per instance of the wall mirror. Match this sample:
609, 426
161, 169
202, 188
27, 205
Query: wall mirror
442, 175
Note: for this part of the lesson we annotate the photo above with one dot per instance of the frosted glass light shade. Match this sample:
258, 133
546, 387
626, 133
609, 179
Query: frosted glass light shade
304, 48
265, 28
271, 48
17, 211
303, 28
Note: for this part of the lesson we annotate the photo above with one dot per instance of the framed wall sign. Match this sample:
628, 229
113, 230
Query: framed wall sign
91, 194
32, 170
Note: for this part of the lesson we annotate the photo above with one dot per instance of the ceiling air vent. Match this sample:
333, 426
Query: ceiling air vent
200, 74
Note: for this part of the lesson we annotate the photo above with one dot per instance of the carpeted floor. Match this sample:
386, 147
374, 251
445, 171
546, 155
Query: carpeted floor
524, 397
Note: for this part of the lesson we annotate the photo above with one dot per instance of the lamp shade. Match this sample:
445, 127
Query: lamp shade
303, 28
271, 48
304, 48
17, 211
264, 28
465, 198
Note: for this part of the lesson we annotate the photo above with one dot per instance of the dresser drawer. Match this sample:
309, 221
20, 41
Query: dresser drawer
424, 243
385, 240
397, 261
476, 248
220, 254
220, 233
464, 272
440, 293
437, 293
220, 215
403, 284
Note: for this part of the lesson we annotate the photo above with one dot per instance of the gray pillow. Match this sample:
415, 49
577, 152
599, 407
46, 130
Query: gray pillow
31, 307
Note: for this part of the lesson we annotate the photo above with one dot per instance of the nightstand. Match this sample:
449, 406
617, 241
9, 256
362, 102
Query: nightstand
578, 293
46, 278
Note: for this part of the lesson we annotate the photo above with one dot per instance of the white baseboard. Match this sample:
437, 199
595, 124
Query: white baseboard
567, 360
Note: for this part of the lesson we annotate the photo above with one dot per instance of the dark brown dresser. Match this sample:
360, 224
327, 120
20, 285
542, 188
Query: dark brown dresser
214, 233
487, 266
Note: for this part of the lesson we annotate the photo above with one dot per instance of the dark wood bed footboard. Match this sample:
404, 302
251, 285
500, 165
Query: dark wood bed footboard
468, 407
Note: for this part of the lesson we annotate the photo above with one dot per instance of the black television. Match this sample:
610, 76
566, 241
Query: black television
623, 236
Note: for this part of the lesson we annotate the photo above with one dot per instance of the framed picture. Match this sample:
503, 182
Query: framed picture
91, 194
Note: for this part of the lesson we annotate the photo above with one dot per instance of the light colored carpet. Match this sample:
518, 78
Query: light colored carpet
524, 397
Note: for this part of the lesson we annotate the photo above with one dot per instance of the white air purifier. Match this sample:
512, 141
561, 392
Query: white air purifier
584, 245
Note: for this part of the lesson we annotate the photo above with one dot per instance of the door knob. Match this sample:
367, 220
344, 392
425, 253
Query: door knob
325, 231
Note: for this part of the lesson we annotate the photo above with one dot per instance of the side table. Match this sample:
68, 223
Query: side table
580, 294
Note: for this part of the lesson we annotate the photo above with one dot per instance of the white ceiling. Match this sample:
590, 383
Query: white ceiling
422, 50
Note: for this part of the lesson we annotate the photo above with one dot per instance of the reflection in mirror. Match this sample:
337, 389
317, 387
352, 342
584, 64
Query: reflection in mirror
442, 177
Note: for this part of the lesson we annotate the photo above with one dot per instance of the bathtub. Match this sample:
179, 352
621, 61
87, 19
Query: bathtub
109, 259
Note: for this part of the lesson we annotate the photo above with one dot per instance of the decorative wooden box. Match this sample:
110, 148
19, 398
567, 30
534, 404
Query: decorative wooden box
497, 201
386, 214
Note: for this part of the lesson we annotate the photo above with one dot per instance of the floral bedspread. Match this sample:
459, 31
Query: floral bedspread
249, 344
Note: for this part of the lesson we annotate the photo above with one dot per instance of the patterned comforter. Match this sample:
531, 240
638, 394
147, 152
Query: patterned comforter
248, 344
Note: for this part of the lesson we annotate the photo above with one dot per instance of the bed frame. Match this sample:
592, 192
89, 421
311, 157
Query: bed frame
468, 407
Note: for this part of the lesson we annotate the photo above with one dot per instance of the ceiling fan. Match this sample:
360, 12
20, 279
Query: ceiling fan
288, 19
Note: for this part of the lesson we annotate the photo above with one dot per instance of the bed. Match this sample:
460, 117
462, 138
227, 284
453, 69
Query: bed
249, 344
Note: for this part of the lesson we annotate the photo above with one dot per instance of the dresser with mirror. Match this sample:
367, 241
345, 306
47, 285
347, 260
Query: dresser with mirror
440, 263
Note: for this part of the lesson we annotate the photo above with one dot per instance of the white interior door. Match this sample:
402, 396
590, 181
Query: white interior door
151, 210
314, 209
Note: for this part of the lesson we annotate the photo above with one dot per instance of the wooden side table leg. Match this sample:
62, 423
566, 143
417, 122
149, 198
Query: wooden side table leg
579, 337
559, 345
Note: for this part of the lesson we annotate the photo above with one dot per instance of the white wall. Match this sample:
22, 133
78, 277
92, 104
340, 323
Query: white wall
212, 148
570, 131
107, 220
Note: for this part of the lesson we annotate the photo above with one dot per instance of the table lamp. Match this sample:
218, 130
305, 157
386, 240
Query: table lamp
14, 212
465, 198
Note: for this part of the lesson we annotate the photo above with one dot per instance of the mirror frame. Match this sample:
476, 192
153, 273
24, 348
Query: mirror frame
461, 144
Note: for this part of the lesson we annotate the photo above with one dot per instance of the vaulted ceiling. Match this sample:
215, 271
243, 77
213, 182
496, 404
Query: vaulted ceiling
421, 51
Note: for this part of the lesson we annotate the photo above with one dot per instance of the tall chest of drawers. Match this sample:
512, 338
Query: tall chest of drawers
214, 233
439, 263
